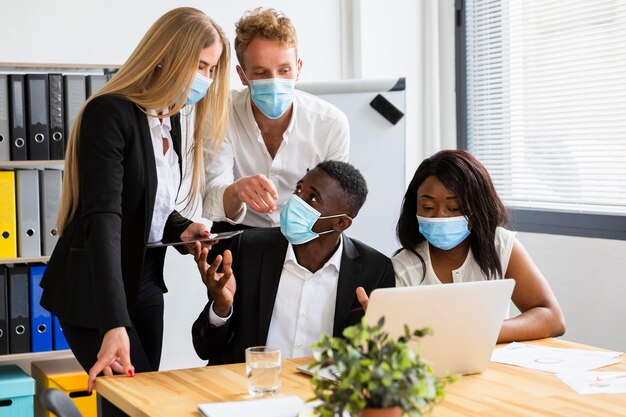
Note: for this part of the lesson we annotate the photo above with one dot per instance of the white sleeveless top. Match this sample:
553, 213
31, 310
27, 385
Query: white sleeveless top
409, 271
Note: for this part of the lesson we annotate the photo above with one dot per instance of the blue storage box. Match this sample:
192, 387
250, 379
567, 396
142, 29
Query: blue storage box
16, 392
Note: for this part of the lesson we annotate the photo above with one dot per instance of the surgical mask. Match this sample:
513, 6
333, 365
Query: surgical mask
272, 96
198, 89
444, 232
297, 219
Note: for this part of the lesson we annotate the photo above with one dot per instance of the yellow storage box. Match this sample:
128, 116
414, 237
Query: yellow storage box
68, 376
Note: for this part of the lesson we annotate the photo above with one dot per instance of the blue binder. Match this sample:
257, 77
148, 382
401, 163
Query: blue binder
59, 339
40, 318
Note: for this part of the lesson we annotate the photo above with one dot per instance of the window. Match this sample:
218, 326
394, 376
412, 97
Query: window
541, 99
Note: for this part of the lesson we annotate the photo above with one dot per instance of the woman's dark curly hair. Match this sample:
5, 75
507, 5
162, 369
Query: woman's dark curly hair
466, 177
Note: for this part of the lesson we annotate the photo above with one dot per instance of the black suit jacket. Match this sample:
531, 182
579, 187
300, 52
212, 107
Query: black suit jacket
94, 272
258, 258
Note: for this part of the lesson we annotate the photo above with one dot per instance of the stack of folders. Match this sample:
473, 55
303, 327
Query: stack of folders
29, 203
37, 112
25, 326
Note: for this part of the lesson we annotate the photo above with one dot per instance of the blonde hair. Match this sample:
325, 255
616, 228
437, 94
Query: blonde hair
173, 43
265, 24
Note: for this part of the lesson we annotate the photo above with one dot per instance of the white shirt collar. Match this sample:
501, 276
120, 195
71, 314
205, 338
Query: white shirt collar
334, 261
155, 121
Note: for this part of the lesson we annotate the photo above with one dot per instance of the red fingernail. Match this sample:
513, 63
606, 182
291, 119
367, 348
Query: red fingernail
131, 373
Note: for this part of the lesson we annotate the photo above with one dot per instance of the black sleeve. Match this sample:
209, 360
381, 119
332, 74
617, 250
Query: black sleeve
209, 341
174, 227
101, 176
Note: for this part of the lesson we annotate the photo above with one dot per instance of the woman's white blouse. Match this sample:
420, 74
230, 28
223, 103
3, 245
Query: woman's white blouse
410, 272
168, 175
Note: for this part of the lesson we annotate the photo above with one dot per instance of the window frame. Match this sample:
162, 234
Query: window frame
566, 223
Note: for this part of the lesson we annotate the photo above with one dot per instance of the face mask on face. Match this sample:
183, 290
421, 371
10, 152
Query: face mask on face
198, 89
444, 232
297, 219
272, 96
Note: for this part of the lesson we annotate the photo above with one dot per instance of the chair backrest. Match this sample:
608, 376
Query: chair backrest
59, 403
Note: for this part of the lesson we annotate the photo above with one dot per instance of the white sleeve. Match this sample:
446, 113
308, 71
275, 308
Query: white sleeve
403, 276
339, 134
218, 174
217, 321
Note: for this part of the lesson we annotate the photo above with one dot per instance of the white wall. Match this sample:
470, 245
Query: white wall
588, 278
89, 32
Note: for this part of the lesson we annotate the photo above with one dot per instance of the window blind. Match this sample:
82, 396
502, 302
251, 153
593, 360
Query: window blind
546, 101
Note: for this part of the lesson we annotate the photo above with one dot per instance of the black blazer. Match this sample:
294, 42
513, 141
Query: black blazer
93, 275
258, 258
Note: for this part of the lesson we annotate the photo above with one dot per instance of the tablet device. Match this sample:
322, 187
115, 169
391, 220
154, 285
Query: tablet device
212, 236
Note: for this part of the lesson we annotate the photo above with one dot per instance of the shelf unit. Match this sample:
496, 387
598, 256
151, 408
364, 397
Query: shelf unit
24, 260
31, 164
23, 360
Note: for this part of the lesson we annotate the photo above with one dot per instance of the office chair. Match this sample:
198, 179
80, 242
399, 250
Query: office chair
59, 403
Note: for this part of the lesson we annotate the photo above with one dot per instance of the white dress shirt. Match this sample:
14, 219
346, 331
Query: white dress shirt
410, 272
304, 307
168, 175
317, 132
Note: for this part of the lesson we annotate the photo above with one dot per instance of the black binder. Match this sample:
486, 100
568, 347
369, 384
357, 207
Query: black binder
57, 116
74, 95
4, 312
19, 317
17, 117
5, 147
37, 116
94, 83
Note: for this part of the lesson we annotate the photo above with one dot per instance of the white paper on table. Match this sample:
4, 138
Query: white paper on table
554, 360
603, 382
267, 407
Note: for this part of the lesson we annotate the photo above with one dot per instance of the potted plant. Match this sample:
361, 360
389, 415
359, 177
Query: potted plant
374, 374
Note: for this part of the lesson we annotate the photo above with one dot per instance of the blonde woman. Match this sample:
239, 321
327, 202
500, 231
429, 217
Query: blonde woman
122, 176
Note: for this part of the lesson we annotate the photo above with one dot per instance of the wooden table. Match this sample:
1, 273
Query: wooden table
502, 390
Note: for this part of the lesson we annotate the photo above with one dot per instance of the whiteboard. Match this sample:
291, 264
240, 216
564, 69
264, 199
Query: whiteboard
377, 149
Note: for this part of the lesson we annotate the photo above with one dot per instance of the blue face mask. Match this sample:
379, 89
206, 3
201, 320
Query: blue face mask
198, 89
272, 96
444, 232
297, 219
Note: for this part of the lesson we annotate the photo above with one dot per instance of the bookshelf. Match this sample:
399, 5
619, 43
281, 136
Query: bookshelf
89, 74
31, 164
24, 260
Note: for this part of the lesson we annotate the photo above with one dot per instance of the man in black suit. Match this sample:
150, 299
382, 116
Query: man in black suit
285, 287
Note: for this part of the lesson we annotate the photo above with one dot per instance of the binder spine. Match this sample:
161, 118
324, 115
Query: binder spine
19, 320
4, 312
17, 118
28, 224
40, 318
5, 141
37, 112
8, 221
74, 92
50, 198
57, 116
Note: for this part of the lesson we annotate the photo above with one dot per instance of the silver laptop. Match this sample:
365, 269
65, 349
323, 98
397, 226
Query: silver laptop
465, 319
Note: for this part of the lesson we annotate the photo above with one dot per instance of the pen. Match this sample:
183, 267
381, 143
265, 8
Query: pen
609, 377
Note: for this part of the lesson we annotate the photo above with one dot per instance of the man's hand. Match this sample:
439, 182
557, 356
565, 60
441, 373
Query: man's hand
221, 285
114, 355
257, 191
